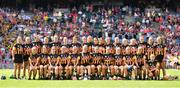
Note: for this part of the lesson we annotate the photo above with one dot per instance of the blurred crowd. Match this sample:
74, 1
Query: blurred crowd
122, 21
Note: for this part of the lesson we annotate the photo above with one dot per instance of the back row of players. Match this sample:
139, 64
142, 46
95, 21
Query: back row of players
94, 58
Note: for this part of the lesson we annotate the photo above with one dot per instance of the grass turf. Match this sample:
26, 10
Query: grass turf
10, 83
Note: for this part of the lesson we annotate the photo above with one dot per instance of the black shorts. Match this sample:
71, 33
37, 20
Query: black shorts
159, 58
18, 58
25, 58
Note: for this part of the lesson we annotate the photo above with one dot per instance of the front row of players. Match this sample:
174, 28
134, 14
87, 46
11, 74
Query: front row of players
98, 62
92, 66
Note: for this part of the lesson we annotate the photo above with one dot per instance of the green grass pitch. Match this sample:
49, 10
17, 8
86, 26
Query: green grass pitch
10, 83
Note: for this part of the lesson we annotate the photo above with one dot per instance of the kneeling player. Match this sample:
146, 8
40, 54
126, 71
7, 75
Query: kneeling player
53, 69
153, 70
34, 59
43, 63
141, 63
75, 62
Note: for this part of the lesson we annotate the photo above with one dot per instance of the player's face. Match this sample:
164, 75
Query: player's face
74, 39
159, 41
34, 50
133, 41
95, 41
85, 49
19, 40
37, 39
108, 40
53, 50
150, 41
55, 39
117, 50
84, 40
65, 40
141, 39
89, 39
101, 41
96, 50
44, 50
46, 40
116, 40
128, 50
27, 40
139, 50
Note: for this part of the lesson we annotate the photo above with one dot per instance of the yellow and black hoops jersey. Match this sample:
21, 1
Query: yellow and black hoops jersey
47, 45
128, 58
85, 54
53, 58
75, 56
56, 44
66, 45
152, 63
75, 44
150, 50
64, 55
37, 44
95, 45
140, 58
96, 55
108, 56
34, 58
123, 48
109, 45
117, 45
160, 49
118, 56
27, 49
144, 45
44, 58
19, 48
88, 43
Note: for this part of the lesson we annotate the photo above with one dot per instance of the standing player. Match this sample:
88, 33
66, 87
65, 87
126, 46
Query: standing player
56, 44
27, 51
37, 43
63, 62
143, 44
150, 50
160, 54
17, 56
76, 43
95, 43
43, 63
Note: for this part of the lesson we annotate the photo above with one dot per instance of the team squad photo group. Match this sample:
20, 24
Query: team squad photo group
94, 58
